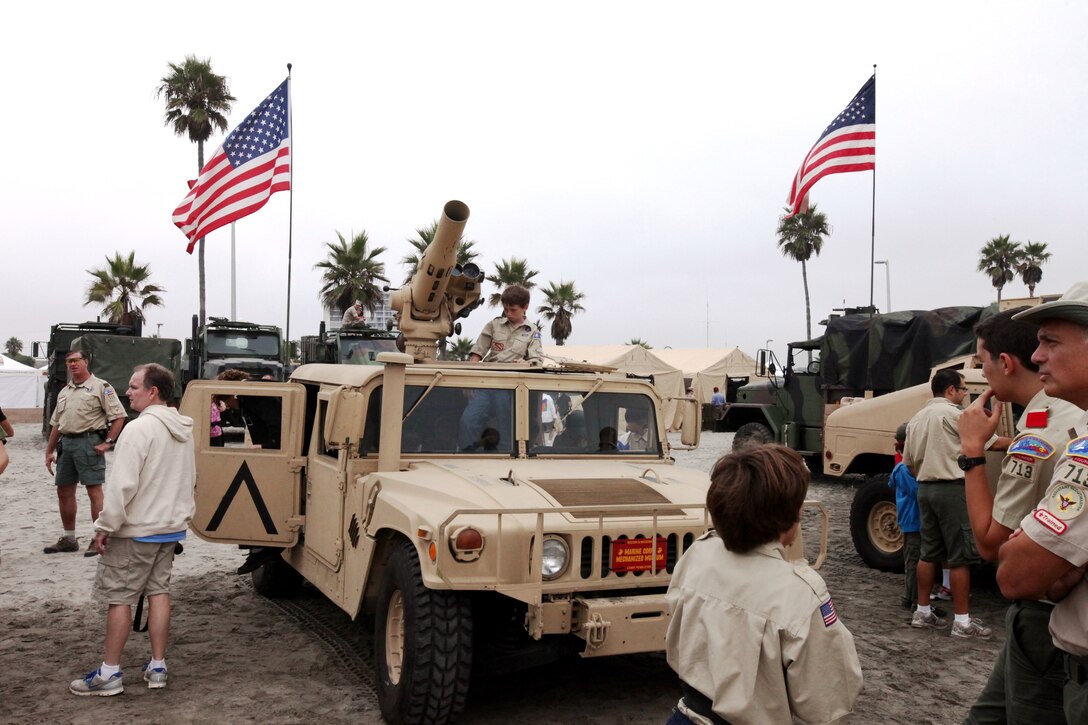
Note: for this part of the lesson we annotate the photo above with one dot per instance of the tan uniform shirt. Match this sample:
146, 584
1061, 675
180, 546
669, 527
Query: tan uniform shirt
638, 441
88, 406
1029, 463
759, 636
501, 341
351, 316
1060, 526
933, 442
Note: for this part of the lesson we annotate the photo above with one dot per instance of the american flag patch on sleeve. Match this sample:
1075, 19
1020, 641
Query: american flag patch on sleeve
828, 612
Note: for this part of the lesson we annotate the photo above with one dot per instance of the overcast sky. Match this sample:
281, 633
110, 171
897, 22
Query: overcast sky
642, 150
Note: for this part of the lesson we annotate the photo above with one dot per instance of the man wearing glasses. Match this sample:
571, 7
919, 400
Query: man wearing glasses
88, 418
932, 453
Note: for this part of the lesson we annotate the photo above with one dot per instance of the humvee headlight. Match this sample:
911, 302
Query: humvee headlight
555, 557
466, 543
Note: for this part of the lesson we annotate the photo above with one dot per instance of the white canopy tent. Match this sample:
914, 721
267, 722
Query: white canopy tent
708, 367
21, 386
635, 359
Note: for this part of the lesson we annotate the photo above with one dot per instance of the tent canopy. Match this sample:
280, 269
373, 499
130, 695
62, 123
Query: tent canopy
21, 386
708, 367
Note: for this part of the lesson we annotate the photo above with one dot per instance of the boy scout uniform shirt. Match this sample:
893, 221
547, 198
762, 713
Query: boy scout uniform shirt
1059, 525
1042, 432
933, 442
759, 636
89, 406
502, 341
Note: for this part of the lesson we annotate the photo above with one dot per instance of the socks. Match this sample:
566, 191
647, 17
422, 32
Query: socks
963, 619
108, 671
927, 610
69, 534
155, 664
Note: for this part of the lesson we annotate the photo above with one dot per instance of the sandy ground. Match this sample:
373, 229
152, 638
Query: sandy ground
236, 657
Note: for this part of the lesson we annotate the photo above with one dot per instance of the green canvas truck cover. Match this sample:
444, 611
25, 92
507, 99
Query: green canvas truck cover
113, 357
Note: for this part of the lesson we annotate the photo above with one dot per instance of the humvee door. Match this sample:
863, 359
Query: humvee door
248, 481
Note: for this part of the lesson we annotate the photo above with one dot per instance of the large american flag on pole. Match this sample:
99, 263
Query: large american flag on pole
847, 144
253, 163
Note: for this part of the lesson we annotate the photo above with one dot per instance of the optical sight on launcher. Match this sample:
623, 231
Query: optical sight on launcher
440, 292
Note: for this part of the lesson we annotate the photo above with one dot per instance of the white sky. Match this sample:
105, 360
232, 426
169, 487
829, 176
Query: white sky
642, 150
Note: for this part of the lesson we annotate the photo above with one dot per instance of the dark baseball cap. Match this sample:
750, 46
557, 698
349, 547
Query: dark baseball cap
1072, 306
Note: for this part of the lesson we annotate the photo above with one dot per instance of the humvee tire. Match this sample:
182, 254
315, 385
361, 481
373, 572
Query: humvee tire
423, 645
874, 526
752, 434
276, 579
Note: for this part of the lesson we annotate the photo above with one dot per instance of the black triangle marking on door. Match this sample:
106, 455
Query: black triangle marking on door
244, 474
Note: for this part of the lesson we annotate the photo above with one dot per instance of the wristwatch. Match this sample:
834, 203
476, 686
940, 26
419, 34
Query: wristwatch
110, 441
966, 464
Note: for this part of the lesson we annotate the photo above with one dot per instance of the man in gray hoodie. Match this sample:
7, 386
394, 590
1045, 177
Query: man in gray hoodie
147, 507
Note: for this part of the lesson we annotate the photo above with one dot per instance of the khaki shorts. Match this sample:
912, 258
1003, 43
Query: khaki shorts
79, 462
946, 528
131, 568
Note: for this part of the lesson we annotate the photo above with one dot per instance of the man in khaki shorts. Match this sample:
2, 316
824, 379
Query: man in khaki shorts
86, 407
148, 506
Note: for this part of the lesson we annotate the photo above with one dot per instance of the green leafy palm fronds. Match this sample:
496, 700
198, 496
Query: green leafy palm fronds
510, 272
123, 288
562, 301
351, 273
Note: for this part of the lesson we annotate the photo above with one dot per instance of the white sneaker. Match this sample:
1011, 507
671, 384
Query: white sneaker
973, 628
920, 620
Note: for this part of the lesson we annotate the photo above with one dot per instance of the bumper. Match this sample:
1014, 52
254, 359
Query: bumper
609, 625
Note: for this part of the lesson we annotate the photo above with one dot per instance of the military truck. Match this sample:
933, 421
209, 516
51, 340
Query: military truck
224, 344
112, 352
351, 345
471, 542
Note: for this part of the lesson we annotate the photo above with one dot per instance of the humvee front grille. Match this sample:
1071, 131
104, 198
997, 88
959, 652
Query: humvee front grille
675, 547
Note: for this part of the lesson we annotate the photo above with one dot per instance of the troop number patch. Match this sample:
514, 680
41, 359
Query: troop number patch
1067, 501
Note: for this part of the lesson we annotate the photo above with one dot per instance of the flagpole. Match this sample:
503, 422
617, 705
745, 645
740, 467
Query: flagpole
290, 212
872, 242
233, 278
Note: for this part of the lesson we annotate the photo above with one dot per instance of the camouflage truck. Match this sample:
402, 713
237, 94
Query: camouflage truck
224, 344
351, 345
112, 352
490, 548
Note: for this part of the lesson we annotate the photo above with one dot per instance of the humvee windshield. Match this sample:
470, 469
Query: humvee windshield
230, 344
364, 352
481, 420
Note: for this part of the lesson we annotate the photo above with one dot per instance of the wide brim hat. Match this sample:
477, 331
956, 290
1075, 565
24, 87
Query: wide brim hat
1072, 306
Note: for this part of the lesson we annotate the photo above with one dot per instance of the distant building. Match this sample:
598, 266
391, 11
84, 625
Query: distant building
378, 318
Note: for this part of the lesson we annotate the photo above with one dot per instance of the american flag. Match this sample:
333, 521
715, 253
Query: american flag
828, 612
847, 144
253, 163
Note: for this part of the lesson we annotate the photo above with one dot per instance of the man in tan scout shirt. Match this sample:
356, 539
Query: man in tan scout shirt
86, 407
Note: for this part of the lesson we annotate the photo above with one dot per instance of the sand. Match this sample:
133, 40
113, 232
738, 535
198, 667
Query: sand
237, 657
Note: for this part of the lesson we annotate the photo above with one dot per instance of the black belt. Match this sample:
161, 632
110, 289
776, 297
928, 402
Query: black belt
700, 704
1034, 604
1076, 668
85, 434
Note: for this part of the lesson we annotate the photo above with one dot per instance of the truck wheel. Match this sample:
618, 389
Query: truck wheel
276, 579
752, 434
874, 525
423, 643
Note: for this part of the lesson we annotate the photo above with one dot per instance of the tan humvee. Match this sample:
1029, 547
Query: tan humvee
447, 499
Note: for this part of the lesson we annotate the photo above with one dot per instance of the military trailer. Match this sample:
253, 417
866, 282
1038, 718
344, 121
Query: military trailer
351, 345
224, 344
430, 495
112, 351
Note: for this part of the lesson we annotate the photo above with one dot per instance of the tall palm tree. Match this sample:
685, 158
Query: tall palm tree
800, 237
350, 273
1030, 268
510, 272
460, 349
123, 289
640, 342
562, 301
999, 260
13, 346
197, 103
423, 239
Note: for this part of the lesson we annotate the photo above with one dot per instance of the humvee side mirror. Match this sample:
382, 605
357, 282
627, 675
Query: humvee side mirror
761, 363
690, 421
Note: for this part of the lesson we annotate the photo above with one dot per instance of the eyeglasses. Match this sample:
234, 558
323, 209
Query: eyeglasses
961, 388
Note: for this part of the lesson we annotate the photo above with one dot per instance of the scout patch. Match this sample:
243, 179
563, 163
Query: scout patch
498, 346
1072, 471
828, 612
1050, 521
1078, 447
1032, 446
1066, 501
107, 390
1036, 419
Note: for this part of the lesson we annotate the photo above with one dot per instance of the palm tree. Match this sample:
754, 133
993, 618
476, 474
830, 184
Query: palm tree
460, 349
425, 235
1030, 267
510, 272
123, 289
13, 346
999, 260
350, 273
800, 237
562, 302
640, 342
197, 101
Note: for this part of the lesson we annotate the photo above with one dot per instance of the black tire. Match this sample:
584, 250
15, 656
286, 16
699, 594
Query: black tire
874, 526
434, 632
276, 579
752, 434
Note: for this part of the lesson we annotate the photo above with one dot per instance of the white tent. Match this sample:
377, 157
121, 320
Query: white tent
21, 386
708, 367
668, 380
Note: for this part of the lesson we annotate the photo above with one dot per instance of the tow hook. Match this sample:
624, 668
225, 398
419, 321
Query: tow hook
596, 630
